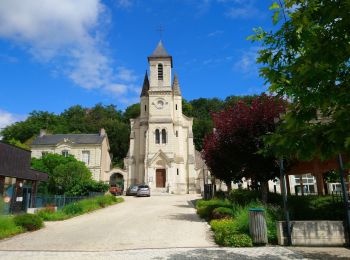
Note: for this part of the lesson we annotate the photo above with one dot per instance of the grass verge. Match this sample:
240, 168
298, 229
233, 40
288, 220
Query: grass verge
8, 227
79, 208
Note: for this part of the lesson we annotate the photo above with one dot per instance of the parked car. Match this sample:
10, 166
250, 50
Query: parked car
132, 190
116, 190
144, 190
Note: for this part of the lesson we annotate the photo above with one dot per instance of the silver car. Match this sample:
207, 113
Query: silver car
144, 190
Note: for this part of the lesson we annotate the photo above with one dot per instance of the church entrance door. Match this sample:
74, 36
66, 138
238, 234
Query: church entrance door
160, 178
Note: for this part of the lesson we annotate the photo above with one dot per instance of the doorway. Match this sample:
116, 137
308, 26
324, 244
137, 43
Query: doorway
160, 178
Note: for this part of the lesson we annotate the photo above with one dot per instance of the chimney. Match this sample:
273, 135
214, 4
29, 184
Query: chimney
102, 132
42, 132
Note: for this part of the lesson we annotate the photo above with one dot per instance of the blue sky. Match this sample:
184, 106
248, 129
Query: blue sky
58, 53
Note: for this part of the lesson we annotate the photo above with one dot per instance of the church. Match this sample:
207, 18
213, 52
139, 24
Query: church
161, 152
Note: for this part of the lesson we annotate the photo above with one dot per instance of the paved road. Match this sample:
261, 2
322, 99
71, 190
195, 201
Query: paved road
160, 227
155, 222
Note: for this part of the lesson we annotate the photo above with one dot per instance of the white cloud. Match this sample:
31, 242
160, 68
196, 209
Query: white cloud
68, 35
246, 64
7, 118
215, 33
127, 75
243, 12
117, 89
124, 3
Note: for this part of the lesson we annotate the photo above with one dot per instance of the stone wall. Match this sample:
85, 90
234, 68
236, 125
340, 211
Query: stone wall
312, 233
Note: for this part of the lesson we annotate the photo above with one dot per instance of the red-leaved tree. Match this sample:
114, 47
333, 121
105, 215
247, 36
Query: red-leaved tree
232, 150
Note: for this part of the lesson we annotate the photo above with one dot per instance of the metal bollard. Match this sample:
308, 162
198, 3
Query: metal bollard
257, 226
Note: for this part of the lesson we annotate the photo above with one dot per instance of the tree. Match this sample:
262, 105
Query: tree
69, 175
64, 173
307, 60
232, 150
132, 111
22, 131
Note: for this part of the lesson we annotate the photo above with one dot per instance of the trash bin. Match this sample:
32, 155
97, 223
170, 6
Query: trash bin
257, 226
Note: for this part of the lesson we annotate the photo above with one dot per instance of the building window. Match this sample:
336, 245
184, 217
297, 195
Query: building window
157, 136
177, 133
145, 108
177, 171
176, 106
65, 153
160, 71
163, 136
86, 157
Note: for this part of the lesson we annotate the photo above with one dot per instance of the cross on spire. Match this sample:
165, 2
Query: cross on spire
160, 30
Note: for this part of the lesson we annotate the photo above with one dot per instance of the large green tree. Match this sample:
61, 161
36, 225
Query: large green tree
67, 176
307, 59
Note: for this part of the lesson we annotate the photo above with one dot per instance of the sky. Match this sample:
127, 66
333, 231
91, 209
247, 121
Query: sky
58, 53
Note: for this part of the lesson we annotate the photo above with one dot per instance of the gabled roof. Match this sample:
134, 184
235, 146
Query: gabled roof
145, 86
176, 87
73, 138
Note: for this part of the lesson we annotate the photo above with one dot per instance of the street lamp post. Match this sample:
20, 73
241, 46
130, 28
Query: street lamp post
345, 197
285, 202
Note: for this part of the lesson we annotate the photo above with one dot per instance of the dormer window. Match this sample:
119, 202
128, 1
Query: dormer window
160, 71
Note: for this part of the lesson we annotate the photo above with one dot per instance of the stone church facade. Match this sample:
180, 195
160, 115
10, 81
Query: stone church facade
162, 152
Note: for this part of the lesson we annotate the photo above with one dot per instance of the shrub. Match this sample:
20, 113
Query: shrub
206, 207
272, 214
220, 194
49, 215
222, 212
238, 240
314, 208
8, 227
75, 208
243, 197
226, 234
106, 200
28, 221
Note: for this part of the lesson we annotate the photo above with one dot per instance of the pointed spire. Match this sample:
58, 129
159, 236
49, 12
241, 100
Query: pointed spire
145, 87
176, 87
160, 51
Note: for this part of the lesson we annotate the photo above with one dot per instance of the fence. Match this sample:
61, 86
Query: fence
60, 201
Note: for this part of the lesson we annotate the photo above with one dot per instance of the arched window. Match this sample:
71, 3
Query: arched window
157, 136
160, 71
163, 136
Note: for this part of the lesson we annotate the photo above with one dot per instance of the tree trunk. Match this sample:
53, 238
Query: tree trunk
229, 185
264, 191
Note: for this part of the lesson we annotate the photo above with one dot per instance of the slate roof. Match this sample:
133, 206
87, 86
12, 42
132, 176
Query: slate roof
159, 52
74, 138
145, 86
15, 162
176, 86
